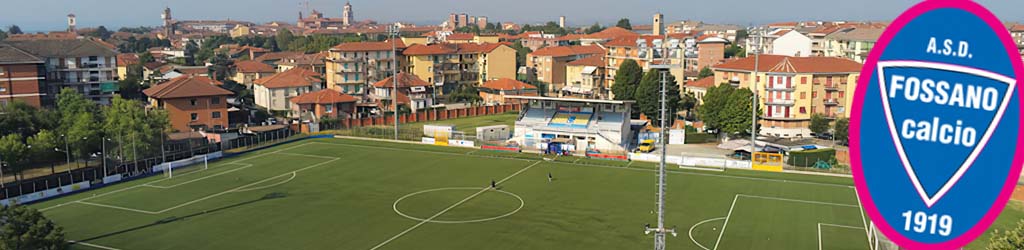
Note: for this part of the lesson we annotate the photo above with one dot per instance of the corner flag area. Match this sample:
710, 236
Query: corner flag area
355, 194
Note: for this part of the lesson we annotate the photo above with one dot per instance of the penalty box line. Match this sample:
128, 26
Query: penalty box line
236, 189
832, 225
737, 197
438, 214
245, 166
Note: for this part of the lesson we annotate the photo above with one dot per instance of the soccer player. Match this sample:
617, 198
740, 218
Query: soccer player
550, 177
494, 184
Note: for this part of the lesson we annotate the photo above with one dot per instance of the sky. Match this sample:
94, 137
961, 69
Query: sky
46, 15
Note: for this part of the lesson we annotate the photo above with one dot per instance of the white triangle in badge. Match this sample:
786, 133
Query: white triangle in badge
932, 199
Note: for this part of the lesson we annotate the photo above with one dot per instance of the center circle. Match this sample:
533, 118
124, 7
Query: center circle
395, 205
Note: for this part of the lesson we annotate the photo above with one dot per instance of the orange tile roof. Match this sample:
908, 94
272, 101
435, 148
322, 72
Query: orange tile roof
460, 36
368, 46
405, 80
274, 56
449, 48
630, 41
125, 59
506, 84
777, 63
249, 66
705, 82
560, 51
1017, 28
185, 87
295, 77
324, 96
596, 60
610, 33
783, 24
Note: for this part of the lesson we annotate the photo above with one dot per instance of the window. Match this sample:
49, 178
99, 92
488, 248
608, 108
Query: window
329, 108
803, 80
194, 116
2, 71
803, 95
93, 58
216, 114
803, 110
2, 89
193, 101
814, 94
214, 100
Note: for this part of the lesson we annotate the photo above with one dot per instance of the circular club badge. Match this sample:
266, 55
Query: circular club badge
935, 125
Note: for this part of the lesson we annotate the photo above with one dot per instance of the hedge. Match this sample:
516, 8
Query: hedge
807, 158
696, 138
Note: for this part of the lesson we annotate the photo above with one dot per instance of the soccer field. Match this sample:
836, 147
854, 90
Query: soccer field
353, 194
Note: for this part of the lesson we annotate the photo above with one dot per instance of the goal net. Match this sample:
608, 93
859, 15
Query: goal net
878, 240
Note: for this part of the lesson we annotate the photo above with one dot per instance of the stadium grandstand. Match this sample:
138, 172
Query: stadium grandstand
578, 124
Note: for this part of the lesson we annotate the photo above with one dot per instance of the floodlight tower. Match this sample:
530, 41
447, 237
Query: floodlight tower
393, 32
666, 51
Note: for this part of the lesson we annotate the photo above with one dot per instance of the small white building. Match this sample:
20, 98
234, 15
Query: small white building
791, 43
273, 92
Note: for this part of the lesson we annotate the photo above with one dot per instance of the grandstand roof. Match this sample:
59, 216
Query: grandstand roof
540, 98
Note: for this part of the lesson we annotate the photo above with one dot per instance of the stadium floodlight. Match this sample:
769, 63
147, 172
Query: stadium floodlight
665, 65
393, 30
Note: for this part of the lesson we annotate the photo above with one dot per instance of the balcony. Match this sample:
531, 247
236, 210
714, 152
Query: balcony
832, 87
780, 102
831, 102
351, 70
780, 88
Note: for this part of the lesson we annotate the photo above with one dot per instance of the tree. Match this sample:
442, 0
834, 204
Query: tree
687, 102
100, 32
819, 124
727, 109
69, 104
146, 57
1011, 239
284, 39
79, 124
705, 72
594, 29
648, 95
627, 78
24, 228
14, 30
465, 94
14, 152
18, 117
735, 51
127, 122
624, 23
521, 52
3, 35
271, 44
43, 144
841, 130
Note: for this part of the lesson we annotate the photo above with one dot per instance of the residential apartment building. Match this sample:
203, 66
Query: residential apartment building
584, 78
791, 89
449, 65
412, 91
248, 71
852, 43
21, 75
81, 64
325, 103
352, 67
549, 63
710, 52
642, 50
124, 60
273, 92
193, 103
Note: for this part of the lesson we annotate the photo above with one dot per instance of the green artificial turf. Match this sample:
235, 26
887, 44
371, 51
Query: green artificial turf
347, 194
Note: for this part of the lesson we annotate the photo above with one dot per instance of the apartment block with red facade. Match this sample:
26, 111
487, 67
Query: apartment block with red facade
193, 103
20, 77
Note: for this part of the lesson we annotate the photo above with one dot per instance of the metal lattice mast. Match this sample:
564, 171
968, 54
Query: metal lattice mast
393, 31
754, 101
660, 231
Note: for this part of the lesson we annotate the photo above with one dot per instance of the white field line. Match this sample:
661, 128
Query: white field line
244, 186
244, 166
867, 232
698, 224
307, 155
598, 166
204, 169
832, 225
91, 245
269, 186
795, 200
727, 216
117, 207
482, 190
155, 181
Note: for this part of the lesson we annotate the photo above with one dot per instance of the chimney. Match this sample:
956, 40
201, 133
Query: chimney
561, 22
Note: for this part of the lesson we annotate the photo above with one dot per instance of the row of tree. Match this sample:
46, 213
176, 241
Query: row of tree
631, 83
78, 127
